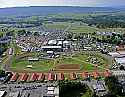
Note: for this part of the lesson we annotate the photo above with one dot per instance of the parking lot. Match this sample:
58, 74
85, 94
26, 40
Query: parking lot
28, 89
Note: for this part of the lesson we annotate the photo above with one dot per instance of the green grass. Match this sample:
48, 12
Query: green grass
43, 65
113, 29
20, 63
82, 29
57, 25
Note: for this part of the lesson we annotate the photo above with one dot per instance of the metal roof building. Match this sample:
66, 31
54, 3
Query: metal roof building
50, 88
118, 73
2, 93
51, 47
59, 43
14, 94
120, 60
52, 42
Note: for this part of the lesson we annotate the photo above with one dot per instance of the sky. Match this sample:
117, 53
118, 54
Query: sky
84, 3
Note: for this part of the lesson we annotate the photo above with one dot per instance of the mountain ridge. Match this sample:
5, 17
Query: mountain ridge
43, 10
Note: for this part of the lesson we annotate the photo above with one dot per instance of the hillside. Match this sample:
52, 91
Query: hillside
44, 10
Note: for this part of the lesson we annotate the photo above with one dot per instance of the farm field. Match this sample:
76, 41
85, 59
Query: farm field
56, 25
82, 28
77, 27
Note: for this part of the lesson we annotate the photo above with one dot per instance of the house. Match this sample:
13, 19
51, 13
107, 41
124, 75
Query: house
33, 77
10, 51
14, 94
41, 77
51, 76
24, 77
95, 74
107, 73
85, 75
61, 76
73, 76
60, 43
120, 48
50, 93
14, 77
52, 42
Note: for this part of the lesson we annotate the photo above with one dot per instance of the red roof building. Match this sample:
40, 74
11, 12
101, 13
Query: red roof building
33, 77
73, 76
14, 77
85, 75
107, 73
24, 77
51, 76
40, 77
95, 74
61, 76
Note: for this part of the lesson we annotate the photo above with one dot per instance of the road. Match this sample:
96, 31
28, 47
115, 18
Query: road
8, 61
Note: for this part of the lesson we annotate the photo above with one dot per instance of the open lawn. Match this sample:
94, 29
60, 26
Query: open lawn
44, 65
82, 28
57, 25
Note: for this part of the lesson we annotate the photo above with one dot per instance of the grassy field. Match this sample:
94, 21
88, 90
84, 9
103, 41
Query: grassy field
57, 25
122, 30
77, 28
83, 28
45, 65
